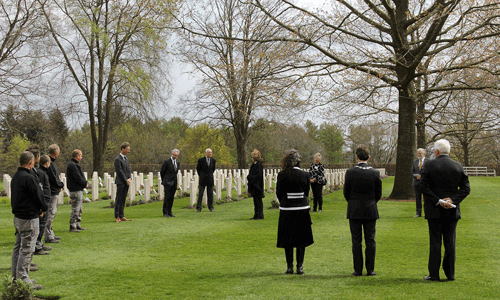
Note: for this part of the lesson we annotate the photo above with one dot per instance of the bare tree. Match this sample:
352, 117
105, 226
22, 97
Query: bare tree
375, 43
114, 53
241, 77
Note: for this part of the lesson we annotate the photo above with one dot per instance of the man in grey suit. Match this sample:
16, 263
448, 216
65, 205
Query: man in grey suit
205, 169
416, 171
122, 180
362, 191
444, 185
168, 175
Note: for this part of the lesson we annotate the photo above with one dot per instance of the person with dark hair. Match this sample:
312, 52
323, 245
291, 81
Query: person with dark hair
294, 227
43, 180
168, 175
255, 179
205, 169
122, 180
56, 186
318, 180
444, 185
42, 171
27, 206
76, 183
362, 191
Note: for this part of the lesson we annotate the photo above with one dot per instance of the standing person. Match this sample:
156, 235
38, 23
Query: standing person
416, 171
43, 181
43, 171
76, 183
205, 169
27, 206
122, 180
444, 185
168, 175
56, 186
256, 185
318, 180
294, 227
362, 191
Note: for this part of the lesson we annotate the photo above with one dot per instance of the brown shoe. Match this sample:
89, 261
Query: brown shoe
417, 216
125, 219
118, 220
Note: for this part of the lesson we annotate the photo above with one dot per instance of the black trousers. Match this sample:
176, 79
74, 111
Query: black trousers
121, 195
169, 199
42, 223
258, 207
418, 199
442, 230
210, 196
358, 228
317, 190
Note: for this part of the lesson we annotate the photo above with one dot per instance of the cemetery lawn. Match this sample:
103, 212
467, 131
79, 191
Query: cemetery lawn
223, 255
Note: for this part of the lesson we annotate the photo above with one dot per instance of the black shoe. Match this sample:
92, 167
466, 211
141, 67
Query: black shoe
356, 274
46, 248
33, 264
431, 278
41, 252
450, 278
289, 270
73, 230
211, 210
198, 210
57, 237
417, 216
320, 210
33, 269
166, 216
80, 227
171, 215
371, 274
37, 286
52, 241
300, 270
252, 218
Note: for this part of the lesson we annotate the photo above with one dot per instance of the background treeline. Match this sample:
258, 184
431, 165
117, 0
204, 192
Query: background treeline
152, 140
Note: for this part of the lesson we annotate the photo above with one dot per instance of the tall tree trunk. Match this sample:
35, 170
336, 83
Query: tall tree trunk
402, 189
421, 140
241, 153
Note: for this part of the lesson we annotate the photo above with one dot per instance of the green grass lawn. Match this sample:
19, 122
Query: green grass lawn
223, 255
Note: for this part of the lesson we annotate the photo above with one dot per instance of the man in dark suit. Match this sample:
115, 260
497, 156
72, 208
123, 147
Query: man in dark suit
122, 180
444, 185
205, 169
416, 171
362, 191
168, 175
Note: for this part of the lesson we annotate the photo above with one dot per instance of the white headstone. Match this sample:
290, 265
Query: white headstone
192, 194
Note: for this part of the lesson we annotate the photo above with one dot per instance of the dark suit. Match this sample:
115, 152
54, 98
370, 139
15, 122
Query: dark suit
362, 191
206, 174
416, 183
123, 173
256, 188
443, 178
168, 175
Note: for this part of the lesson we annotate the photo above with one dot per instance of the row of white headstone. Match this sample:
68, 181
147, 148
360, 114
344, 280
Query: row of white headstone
187, 181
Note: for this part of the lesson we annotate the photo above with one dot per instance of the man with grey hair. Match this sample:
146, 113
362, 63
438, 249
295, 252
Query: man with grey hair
56, 186
205, 169
76, 183
444, 185
416, 171
168, 176
27, 206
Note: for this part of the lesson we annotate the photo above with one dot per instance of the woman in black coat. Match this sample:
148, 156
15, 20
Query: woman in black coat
294, 228
256, 185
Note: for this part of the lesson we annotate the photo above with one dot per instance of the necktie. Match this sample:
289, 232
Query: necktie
420, 165
208, 162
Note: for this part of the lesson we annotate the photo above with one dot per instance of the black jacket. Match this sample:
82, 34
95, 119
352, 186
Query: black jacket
168, 173
256, 180
443, 178
362, 191
122, 169
206, 172
27, 199
292, 188
54, 180
415, 171
43, 178
74, 176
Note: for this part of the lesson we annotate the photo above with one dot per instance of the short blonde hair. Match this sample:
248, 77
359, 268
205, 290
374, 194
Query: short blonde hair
318, 155
256, 155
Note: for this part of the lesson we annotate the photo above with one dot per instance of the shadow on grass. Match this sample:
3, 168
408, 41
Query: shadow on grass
46, 297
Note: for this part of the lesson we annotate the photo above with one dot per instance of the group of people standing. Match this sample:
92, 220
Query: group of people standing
35, 190
36, 186
442, 181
